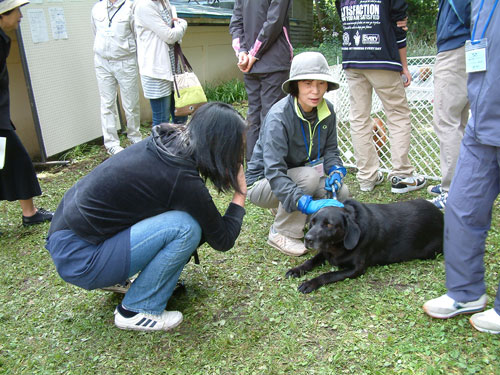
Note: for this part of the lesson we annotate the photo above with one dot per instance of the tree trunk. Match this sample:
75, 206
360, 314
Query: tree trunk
319, 12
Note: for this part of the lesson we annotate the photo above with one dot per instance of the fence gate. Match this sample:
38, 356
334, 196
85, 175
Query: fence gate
424, 147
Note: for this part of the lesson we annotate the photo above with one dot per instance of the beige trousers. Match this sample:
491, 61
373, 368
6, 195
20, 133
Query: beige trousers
291, 224
451, 108
389, 88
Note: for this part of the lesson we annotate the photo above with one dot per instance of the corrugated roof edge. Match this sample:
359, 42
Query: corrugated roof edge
187, 9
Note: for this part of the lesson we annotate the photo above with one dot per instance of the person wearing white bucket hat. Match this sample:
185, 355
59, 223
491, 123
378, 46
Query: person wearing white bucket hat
18, 180
296, 158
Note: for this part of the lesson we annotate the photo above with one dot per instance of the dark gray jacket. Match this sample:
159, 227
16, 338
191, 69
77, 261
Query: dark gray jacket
261, 28
281, 147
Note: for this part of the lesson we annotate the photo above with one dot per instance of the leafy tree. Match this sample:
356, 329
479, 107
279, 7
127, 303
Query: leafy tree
422, 15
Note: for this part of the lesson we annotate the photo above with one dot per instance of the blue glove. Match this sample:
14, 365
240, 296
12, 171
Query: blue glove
308, 206
333, 182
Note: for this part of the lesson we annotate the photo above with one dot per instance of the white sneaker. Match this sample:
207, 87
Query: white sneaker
440, 200
370, 185
445, 307
287, 245
487, 321
149, 322
400, 185
113, 150
133, 141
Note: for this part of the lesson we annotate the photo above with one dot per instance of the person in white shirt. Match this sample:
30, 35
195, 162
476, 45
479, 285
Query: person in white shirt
116, 65
157, 29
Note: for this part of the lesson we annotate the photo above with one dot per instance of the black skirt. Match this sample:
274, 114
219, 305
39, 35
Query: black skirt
18, 177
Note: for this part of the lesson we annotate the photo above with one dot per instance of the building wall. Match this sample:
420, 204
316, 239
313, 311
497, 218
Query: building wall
20, 111
301, 22
208, 49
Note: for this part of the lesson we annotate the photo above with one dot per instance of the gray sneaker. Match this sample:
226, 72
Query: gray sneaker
445, 307
370, 185
119, 288
487, 321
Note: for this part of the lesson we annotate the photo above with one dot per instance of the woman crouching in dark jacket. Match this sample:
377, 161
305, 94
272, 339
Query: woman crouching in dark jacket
147, 209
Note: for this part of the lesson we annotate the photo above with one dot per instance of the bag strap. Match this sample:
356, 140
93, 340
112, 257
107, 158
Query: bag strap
182, 62
179, 57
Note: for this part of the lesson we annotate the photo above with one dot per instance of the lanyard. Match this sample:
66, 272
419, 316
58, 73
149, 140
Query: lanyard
473, 40
308, 150
452, 4
114, 14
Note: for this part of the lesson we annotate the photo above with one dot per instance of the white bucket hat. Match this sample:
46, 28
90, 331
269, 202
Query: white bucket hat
6, 5
309, 65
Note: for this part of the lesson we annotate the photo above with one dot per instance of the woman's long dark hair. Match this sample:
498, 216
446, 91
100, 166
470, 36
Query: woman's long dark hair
216, 139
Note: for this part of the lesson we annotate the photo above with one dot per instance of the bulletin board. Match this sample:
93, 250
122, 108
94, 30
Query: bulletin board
56, 46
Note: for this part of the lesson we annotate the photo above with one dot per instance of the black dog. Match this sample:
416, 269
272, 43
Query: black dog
360, 235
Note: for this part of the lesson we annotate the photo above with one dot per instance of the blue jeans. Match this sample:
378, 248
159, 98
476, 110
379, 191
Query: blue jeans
176, 119
161, 109
160, 246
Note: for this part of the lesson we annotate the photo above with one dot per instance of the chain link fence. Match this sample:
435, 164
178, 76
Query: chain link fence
424, 147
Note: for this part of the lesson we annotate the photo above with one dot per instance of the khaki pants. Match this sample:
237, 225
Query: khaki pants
390, 90
451, 108
112, 74
291, 224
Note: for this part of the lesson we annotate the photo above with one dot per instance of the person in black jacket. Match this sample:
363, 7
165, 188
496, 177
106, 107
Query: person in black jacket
260, 32
18, 179
147, 209
374, 58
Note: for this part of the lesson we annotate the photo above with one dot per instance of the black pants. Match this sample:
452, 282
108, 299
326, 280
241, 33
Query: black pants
263, 90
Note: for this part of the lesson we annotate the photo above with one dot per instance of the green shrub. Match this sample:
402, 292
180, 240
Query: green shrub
420, 47
332, 50
228, 92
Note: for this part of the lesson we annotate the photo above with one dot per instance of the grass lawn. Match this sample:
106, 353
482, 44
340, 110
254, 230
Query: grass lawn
241, 315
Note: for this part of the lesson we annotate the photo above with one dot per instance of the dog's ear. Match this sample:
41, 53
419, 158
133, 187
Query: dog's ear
352, 229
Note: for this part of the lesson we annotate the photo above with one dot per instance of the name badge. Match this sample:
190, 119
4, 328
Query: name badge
475, 56
318, 166
109, 32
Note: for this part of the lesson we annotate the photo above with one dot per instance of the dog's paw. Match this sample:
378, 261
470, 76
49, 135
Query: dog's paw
295, 272
308, 287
